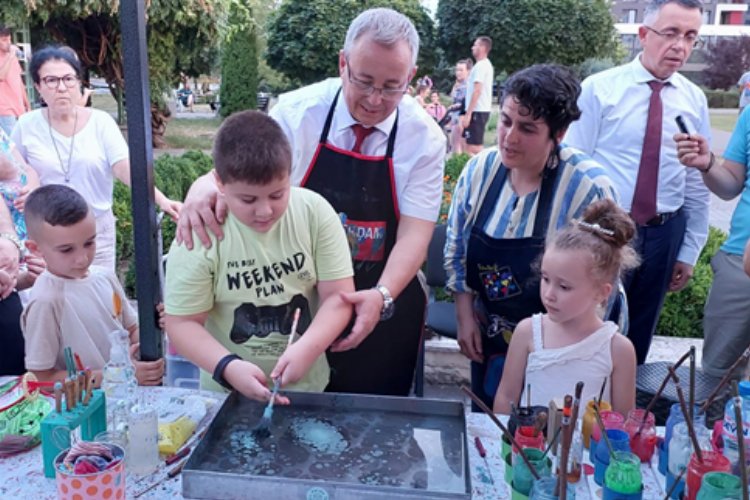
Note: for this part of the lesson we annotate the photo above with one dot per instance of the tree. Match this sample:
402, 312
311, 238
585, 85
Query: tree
182, 36
727, 59
526, 32
239, 63
305, 36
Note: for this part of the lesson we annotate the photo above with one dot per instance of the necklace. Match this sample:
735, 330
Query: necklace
66, 170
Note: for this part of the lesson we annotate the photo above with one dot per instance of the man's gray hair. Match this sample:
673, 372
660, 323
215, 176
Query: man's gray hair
387, 27
654, 6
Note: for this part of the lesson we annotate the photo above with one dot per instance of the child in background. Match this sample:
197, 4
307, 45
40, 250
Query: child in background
15, 184
230, 306
436, 109
552, 352
73, 304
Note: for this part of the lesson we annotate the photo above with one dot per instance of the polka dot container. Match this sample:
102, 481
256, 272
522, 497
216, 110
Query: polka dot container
106, 484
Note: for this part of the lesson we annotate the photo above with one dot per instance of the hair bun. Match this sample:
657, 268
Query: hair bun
605, 219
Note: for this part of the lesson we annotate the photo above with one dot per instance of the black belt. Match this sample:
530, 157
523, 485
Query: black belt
661, 219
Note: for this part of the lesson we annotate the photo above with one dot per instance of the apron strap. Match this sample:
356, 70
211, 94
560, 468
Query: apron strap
491, 197
329, 119
544, 204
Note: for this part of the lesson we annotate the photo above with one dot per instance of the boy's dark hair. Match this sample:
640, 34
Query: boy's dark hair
5, 30
54, 52
251, 147
547, 91
55, 204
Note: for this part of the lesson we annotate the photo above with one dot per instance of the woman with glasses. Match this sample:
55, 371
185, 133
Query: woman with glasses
508, 199
66, 143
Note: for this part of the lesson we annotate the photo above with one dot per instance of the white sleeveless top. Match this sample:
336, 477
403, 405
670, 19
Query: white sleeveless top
553, 373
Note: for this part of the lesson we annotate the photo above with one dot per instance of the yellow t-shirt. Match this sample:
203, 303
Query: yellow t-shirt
251, 283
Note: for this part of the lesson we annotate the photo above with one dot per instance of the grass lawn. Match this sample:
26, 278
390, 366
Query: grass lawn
191, 133
723, 121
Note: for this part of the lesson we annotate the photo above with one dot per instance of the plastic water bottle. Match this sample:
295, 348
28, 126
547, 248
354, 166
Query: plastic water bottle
119, 382
729, 427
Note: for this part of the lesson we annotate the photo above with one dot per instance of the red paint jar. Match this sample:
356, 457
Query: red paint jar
712, 462
643, 443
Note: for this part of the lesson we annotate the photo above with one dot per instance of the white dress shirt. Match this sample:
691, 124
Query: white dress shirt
614, 106
418, 153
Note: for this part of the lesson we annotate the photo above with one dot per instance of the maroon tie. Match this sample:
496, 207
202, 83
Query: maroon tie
360, 133
644, 198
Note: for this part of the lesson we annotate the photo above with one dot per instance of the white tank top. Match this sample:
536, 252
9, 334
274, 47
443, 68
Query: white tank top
553, 373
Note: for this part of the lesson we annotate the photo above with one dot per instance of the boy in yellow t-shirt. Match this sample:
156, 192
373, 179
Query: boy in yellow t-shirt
230, 307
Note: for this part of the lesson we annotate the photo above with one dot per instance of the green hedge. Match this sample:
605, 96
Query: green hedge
682, 314
173, 175
722, 98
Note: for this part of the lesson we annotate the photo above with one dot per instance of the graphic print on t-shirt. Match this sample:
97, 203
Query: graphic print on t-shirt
261, 321
499, 284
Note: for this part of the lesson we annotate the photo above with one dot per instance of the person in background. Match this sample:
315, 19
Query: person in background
73, 304
508, 199
352, 135
551, 352
726, 322
744, 86
81, 147
13, 99
436, 109
627, 122
478, 96
458, 107
11, 336
423, 92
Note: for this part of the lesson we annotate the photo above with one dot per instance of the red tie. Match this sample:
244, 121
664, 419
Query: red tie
360, 133
644, 198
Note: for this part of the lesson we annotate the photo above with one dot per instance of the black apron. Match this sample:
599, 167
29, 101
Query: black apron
501, 271
362, 191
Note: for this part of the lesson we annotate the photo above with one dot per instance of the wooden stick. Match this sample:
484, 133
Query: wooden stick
89, 385
562, 472
743, 358
539, 422
601, 392
600, 423
740, 426
576, 403
58, 396
528, 395
675, 484
691, 387
688, 417
663, 385
504, 429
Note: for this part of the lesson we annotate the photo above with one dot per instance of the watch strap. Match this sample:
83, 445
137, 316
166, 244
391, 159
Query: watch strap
218, 374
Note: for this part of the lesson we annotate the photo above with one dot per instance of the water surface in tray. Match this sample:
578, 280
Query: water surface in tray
351, 446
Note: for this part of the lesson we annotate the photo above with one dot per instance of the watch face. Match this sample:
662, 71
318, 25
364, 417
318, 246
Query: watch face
387, 311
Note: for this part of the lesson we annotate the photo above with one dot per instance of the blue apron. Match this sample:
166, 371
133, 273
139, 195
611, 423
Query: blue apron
500, 271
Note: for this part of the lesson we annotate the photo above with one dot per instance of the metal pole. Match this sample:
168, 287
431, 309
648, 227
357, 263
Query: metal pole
145, 231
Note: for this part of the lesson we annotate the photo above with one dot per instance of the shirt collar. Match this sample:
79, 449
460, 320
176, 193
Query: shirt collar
343, 120
642, 75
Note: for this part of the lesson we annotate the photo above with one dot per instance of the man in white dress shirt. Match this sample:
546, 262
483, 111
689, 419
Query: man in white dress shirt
378, 158
627, 125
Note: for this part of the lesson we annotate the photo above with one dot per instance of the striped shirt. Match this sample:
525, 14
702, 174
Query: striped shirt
581, 182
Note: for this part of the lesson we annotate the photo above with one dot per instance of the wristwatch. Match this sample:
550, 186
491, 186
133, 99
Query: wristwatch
388, 305
17, 242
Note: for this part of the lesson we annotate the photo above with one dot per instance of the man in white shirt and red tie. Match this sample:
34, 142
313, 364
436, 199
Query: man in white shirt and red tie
627, 124
378, 158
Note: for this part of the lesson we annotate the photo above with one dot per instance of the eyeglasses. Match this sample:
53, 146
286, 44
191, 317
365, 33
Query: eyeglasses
673, 37
53, 82
367, 89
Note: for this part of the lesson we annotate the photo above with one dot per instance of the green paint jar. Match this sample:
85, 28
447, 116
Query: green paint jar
624, 473
522, 478
720, 486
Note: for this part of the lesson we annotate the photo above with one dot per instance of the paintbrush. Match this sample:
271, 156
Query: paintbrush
710, 399
263, 429
688, 417
502, 428
562, 476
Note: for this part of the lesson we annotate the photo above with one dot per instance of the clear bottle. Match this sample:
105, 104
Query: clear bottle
119, 382
729, 427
